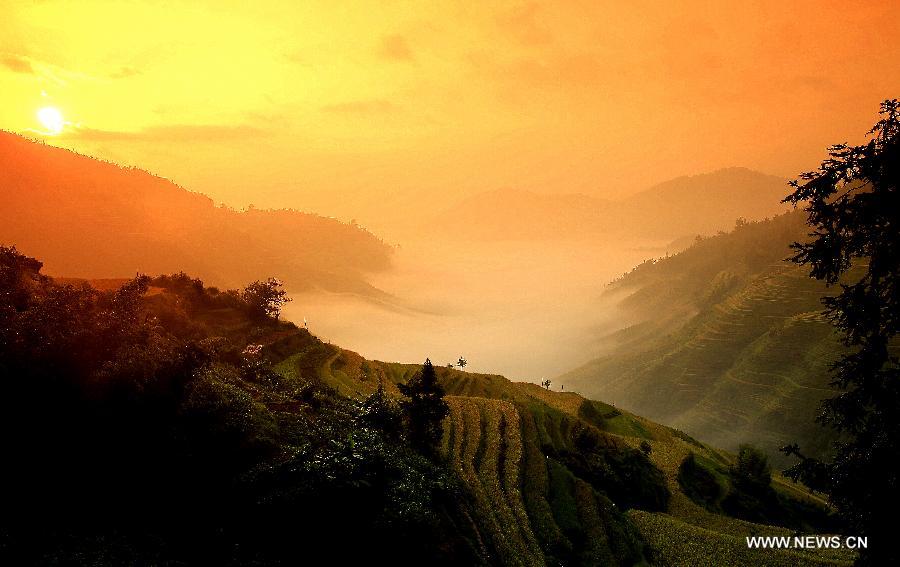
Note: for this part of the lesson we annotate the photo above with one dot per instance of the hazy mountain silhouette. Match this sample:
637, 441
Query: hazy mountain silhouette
518, 214
88, 218
684, 206
705, 203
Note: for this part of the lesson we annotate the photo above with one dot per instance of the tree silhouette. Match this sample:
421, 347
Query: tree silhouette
854, 210
265, 299
425, 409
751, 471
461, 362
646, 447
381, 412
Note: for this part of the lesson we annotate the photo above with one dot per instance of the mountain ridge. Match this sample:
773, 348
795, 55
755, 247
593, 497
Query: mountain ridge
91, 218
681, 207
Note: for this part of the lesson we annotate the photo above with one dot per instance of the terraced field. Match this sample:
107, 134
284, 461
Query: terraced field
729, 343
530, 508
484, 443
512, 446
753, 368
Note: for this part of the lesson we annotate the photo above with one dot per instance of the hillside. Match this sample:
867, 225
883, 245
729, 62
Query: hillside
679, 208
87, 218
213, 436
520, 449
728, 342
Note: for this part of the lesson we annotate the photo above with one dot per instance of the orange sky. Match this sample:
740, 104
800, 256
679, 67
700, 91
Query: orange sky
343, 110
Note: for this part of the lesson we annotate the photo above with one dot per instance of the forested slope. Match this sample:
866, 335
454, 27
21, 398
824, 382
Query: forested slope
88, 218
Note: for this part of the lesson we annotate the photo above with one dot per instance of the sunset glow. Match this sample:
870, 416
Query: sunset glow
456, 283
331, 108
51, 119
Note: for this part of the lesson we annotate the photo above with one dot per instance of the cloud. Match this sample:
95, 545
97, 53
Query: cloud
395, 48
374, 106
124, 73
172, 133
17, 64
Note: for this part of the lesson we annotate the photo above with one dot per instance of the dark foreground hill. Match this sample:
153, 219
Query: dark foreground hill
87, 218
728, 343
162, 422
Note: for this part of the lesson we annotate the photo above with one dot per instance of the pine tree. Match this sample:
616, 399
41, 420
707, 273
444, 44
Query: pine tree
425, 409
854, 209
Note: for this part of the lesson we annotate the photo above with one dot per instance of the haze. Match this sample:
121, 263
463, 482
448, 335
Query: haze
392, 113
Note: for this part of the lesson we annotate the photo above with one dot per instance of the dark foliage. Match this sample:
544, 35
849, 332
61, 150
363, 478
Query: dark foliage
751, 472
751, 496
646, 447
381, 412
136, 435
745, 491
425, 409
623, 474
853, 205
699, 484
265, 299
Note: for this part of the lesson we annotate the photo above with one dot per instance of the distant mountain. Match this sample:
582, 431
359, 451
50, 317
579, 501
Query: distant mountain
706, 203
88, 218
728, 342
682, 207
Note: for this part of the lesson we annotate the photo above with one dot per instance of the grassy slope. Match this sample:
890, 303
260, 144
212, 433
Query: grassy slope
528, 507
736, 349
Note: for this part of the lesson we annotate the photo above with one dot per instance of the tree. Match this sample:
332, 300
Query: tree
853, 207
425, 409
546, 384
461, 362
265, 299
381, 412
751, 471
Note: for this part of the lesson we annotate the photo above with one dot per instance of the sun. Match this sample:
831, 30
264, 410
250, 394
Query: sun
52, 119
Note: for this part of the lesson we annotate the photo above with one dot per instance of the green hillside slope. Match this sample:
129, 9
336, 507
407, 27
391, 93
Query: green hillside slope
516, 447
730, 345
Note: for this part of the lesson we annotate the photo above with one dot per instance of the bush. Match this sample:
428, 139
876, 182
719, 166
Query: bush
699, 483
625, 475
751, 472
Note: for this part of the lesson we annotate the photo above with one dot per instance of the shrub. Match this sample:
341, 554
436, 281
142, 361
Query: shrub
699, 483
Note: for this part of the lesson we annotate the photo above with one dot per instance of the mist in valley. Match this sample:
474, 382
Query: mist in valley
526, 309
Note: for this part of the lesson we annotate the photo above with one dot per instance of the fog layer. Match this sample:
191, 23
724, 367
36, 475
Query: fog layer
525, 309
